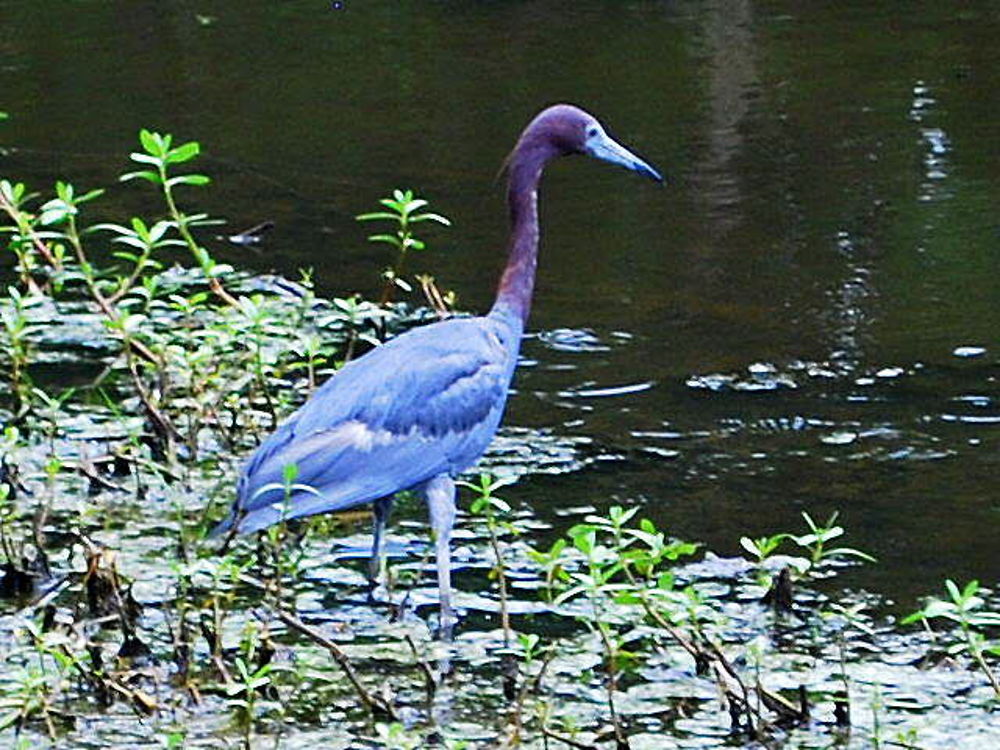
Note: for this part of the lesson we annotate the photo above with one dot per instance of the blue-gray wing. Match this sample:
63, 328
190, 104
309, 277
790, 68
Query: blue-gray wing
425, 403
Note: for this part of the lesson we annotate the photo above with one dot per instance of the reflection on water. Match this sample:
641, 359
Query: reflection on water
729, 49
936, 146
773, 331
848, 313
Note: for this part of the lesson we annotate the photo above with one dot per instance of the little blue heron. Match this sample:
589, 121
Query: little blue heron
417, 411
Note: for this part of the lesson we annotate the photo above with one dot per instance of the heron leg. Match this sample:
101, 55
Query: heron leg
440, 494
381, 510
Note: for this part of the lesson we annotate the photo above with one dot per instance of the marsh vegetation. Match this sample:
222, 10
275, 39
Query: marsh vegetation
138, 371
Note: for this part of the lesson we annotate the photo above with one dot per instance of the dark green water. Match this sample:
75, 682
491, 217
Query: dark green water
831, 219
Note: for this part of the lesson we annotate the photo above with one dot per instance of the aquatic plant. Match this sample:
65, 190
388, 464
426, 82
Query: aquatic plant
967, 609
116, 611
404, 210
813, 542
159, 152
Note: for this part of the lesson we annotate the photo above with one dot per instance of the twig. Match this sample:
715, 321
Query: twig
373, 704
513, 739
430, 684
723, 669
182, 228
434, 296
566, 740
400, 609
40, 246
621, 739
502, 586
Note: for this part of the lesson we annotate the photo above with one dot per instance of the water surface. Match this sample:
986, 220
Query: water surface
776, 330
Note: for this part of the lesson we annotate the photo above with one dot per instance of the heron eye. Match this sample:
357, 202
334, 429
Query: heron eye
591, 132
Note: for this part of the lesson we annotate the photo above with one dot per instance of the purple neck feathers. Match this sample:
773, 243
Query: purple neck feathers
518, 281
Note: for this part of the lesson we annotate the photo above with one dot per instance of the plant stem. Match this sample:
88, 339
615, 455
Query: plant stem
372, 703
200, 254
977, 655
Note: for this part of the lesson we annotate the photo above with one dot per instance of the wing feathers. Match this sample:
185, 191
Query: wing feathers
425, 403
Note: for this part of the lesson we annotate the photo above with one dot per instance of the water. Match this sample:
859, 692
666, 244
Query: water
778, 329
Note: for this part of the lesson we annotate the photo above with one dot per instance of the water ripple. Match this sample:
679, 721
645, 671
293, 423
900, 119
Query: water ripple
572, 340
611, 390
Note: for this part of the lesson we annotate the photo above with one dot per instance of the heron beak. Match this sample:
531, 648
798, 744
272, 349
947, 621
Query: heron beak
602, 146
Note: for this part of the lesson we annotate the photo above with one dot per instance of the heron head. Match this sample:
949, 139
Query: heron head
567, 129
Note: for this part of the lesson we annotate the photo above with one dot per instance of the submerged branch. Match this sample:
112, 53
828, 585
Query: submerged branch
372, 703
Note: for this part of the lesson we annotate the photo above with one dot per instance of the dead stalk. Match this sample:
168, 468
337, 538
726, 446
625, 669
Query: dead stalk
372, 703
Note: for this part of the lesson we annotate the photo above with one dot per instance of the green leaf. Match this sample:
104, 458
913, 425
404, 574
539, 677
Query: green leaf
585, 542
970, 589
144, 175
580, 529
653, 541
390, 239
139, 227
821, 535
430, 217
939, 608
681, 549
413, 205
97, 192
619, 516
9, 718
13, 193
110, 227
56, 211
158, 229
184, 152
132, 240
570, 593
809, 521
849, 552
555, 550
376, 215
150, 141
201, 220
953, 591
145, 159
278, 487
628, 596
528, 641
751, 546
500, 505
188, 179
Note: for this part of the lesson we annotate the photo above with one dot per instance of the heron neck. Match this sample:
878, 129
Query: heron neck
518, 280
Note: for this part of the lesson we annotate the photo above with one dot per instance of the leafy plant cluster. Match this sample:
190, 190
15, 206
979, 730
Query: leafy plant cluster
614, 634
197, 348
648, 606
186, 369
